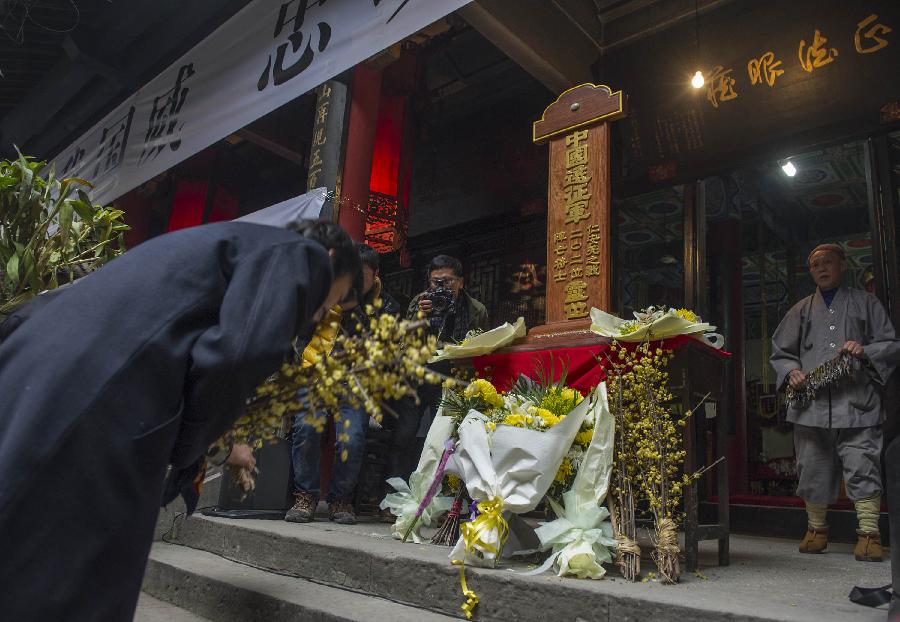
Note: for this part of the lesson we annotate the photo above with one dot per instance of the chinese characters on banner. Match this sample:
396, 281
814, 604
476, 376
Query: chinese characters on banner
320, 135
812, 54
164, 129
269, 53
576, 245
280, 73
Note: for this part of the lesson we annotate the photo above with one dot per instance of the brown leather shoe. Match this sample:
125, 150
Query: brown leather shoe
814, 541
304, 509
868, 547
342, 513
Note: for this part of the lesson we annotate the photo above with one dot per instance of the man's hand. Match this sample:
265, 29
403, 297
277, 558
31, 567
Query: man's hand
854, 349
797, 379
241, 456
425, 305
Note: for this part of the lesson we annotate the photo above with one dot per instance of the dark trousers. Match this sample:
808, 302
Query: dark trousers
404, 448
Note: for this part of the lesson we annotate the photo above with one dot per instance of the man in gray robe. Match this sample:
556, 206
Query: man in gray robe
839, 431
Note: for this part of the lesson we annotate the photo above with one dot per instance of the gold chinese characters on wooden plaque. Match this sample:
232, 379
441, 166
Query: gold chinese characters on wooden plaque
578, 214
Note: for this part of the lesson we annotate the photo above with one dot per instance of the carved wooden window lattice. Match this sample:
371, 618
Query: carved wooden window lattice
386, 223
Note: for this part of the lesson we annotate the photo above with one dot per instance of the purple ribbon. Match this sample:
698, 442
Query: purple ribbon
438, 477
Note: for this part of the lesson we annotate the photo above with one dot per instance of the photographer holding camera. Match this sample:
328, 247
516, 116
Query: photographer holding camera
450, 310
451, 313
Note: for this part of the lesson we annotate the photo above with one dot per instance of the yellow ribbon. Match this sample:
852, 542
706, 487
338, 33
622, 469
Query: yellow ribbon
490, 517
471, 597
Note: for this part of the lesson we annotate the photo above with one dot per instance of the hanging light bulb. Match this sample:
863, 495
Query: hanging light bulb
789, 169
697, 81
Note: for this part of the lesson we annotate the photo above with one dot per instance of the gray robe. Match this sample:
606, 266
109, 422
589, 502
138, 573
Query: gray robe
812, 333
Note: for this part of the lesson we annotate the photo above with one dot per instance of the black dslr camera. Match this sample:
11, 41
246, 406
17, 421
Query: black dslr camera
441, 300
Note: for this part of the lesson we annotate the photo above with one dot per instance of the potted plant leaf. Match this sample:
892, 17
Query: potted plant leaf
49, 231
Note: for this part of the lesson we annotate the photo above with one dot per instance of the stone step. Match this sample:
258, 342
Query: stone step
151, 609
768, 578
224, 591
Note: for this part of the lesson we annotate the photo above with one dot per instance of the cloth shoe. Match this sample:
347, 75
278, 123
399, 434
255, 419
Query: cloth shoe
868, 547
341, 513
814, 541
304, 508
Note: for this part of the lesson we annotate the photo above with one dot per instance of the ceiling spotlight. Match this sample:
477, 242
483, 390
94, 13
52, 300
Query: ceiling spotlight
697, 81
789, 169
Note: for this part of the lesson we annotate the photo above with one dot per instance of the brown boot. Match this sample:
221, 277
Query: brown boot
342, 513
814, 541
868, 547
304, 510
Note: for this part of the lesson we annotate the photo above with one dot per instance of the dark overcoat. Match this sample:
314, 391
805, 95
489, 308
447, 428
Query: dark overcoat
143, 363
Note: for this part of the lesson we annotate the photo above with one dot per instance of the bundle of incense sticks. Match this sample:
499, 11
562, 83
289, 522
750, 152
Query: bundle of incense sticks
448, 534
828, 374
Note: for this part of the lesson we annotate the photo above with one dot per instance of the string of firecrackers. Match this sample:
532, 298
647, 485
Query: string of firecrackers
383, 360
827, 375
654, 323
479, 344
570, 265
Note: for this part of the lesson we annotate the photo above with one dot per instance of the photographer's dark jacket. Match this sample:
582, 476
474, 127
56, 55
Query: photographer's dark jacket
358, 315
465, 314
144, 362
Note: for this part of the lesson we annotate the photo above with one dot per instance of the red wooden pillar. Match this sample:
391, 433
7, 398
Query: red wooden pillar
354, 197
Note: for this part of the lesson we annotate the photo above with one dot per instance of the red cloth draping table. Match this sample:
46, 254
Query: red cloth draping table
585, 371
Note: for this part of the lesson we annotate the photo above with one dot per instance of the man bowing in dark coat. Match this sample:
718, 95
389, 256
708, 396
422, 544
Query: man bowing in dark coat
142, 364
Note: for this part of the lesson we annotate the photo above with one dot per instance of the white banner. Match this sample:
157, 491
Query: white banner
304, 207
266, 55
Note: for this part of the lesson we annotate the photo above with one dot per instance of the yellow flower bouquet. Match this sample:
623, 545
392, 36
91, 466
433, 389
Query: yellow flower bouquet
581, 537
655, 322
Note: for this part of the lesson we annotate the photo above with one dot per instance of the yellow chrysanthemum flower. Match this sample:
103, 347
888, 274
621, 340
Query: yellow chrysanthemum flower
518, 420
483, 389
686, 314
584, 438
572, 394
565, 470
548, 417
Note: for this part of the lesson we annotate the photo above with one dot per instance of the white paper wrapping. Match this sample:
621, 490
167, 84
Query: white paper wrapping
669, 325
482, 344
581, 537
405, 502
515, 465
304, 207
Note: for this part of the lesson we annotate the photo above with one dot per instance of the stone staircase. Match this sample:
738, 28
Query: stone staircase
244, 570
